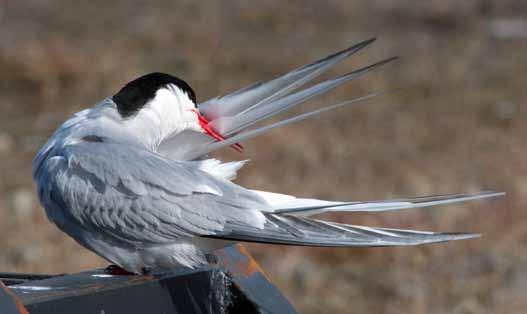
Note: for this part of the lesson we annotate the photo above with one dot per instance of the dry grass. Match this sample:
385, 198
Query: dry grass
458, 126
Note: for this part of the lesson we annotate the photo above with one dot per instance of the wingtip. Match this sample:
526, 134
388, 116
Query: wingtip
368, 41
456, 236
356, 47
382, 62
394, 58
447, 237
465, 236
493, 193
488, 194
356, 73
363, 43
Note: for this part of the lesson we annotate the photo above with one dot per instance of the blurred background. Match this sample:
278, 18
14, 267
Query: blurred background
458, 125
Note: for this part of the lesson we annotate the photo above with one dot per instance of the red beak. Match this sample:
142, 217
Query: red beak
204, 123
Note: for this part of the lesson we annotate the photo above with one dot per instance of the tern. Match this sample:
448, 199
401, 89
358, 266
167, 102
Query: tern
130, 178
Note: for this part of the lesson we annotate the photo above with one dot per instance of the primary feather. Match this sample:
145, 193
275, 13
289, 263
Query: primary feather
289, 230
258, 93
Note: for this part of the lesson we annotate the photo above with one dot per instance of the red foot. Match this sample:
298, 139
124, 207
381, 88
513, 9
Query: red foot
116, 270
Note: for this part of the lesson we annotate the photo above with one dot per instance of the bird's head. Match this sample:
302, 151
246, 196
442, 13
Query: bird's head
158, 105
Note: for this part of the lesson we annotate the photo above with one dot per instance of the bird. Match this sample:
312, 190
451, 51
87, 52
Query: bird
131, 178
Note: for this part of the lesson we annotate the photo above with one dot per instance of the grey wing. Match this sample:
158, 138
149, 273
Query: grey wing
300, 231
140, 198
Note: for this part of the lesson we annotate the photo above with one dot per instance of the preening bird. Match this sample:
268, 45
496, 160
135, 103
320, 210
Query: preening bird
131, 180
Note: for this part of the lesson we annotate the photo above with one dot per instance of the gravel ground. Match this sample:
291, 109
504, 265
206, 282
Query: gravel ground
456, 126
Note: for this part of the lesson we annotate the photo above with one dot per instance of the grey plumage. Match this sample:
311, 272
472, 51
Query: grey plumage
289, 230
140, 191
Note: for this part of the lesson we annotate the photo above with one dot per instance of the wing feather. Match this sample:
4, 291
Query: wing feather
140, 198
91, 186
250, 96
289, 230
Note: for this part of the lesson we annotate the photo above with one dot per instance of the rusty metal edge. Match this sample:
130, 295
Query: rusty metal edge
244, 269
236, 266
19, 306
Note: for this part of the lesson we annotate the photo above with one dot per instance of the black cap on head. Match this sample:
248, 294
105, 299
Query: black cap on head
134, 95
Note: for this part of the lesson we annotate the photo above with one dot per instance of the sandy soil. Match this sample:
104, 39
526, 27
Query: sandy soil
458, 125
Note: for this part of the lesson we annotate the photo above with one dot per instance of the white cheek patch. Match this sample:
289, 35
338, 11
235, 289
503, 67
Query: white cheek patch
174, 109
182, 97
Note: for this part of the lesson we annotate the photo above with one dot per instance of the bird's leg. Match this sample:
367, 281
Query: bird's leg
116, 270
